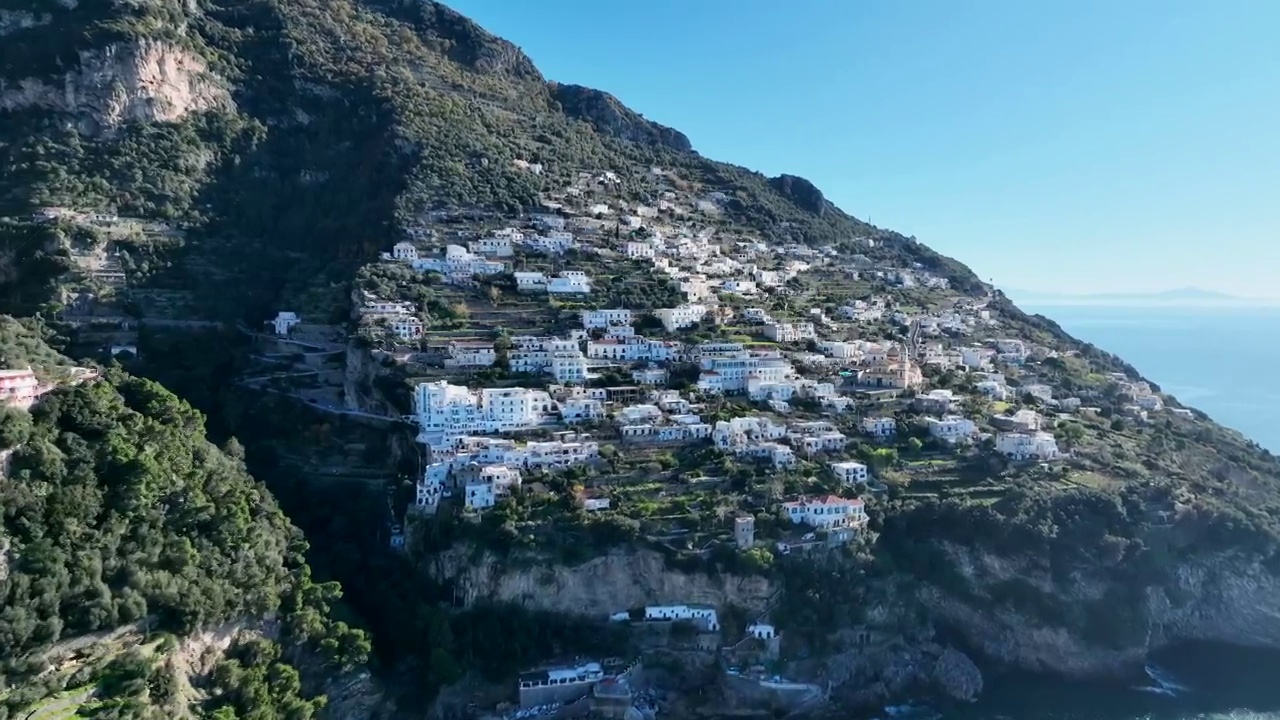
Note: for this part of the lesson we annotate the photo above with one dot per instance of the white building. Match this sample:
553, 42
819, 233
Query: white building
952, 429
935, 401
1027, 446
755, 314
406, 327
826, 512
680, 317
790, 332
530, 282
458, 261
491, 246
570, 282
838, 349
740, 287
849, 472
444, 410
404, 251
704, 616
568, 368
532, 354
605, 318
640, 250
580, 409
880, 427
284, 322
471, 354
732, 374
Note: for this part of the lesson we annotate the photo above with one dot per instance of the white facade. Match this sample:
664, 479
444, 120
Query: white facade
1027, 446
406, 327
640, 250
404, 251
702, 615
531, 354
458, 260
838, 349
826, 512
570, 282
740, 287
790, 332
879, 427
492, 246
284, 322
580, 409
471, 354
444, 410
568, 368
952, 429
731, 374
849, 472
530, 281
605, 318
680, 317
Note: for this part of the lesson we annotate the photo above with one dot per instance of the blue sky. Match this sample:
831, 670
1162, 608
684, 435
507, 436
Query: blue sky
1071, 146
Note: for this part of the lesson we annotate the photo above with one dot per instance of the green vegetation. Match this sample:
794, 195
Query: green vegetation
117, 510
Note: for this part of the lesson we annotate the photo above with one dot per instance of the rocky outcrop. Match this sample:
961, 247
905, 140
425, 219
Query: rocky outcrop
615, 581
352, 695
803, 193
1087, 627
464, 42
957, 676
143, 81
890, 672
610, 117
12, 21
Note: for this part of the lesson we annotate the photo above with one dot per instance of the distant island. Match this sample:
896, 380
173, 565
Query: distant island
1178, 297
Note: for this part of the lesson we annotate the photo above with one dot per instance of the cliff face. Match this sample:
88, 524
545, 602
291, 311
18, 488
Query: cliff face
610, 117
610, 583
1223, 598
143, 81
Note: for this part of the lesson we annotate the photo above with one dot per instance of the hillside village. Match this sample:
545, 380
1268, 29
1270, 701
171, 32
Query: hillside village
807, 361
641, 370
645, 370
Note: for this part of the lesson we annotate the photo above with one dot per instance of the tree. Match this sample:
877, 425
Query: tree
15, 427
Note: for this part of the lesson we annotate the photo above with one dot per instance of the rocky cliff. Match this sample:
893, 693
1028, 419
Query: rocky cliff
123, 82
1093, 625
610, 117
616, 581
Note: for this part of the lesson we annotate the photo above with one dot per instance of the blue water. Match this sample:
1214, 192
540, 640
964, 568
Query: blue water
1200, 682
1218, 360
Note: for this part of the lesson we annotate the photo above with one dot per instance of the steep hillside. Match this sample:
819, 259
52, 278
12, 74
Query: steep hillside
181, 164
119, 516
344, 120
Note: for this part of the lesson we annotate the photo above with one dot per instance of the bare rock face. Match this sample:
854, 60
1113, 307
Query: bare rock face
610, 117
606, 584
144, 81
11, 21
957, 676
1227, 598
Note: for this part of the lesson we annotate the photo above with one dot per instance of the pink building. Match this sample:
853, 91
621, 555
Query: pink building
18, 388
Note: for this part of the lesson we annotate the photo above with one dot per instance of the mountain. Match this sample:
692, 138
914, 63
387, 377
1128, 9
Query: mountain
179, 172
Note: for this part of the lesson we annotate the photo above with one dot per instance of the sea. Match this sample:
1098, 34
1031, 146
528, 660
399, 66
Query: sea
1220, 360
